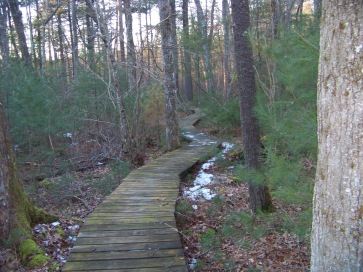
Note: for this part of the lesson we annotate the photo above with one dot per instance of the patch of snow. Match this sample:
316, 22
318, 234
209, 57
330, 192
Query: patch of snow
54, 224
195, 207
68, 135
227, 147
193, 263
358, 48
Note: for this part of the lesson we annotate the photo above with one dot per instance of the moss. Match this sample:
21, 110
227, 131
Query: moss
38, 260
60, 231
54, 267
46, 184
27, 248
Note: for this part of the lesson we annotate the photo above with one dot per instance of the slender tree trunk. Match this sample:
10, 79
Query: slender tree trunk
131, 54
274, 19
226, 49
116, 90
260, 198
75, 40
63, 64
317, 9
337, 229
205, 46
170, 91
4, 46
188, 81
176, 51
12, 37
19, 26
90, 38
121, 31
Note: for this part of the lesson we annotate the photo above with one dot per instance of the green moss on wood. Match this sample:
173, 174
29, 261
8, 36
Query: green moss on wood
38, 260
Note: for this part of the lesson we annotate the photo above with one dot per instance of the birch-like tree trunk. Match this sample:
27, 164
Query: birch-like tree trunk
131, 54
121, 31
226, 49
4, 46
337, 230
188, 81
260, 198
206, 46
170, 90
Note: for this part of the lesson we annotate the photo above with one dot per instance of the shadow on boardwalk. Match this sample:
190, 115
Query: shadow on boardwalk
134, 228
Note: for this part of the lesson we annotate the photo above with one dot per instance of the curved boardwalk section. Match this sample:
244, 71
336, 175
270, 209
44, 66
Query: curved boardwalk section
134, 228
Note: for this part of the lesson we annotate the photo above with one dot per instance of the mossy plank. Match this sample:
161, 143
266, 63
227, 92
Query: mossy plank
115, 255
162, 263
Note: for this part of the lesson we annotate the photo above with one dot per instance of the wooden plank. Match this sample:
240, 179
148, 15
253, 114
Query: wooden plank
135, 254
162, 263
176, 244
180, 268
127, 233
131, 226
105, 220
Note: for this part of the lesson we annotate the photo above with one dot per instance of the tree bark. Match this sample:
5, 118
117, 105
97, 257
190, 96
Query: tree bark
19, 27
16, 210
205, 46
337, 228
170, 91
121, 31
188, 83
226, 49
131, 54
260, 198
4, 47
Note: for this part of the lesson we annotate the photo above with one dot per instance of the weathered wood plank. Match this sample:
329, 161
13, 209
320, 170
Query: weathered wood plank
176, 244
128, 226
127, 233
162, 263
136, 254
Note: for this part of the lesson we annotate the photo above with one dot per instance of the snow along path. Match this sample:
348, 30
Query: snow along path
134, 229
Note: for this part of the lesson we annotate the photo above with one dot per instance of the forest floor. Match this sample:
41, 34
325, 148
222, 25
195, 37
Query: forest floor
217, 230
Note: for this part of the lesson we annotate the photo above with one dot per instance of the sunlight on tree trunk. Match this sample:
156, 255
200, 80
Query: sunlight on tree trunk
338, 204
170, 91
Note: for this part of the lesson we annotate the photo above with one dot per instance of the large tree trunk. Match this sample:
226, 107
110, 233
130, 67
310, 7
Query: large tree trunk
188, 83
260, 198
170, 91
16, 210
337, 243
19, 26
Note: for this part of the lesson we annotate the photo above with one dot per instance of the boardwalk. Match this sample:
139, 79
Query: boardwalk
134, 228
